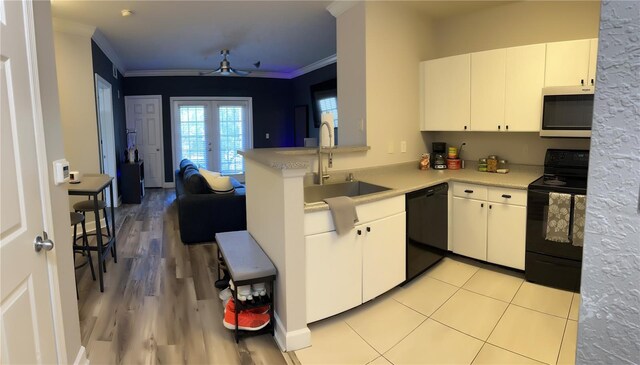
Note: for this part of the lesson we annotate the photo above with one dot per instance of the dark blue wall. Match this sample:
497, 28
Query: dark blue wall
273, 102
302, 91
103, 66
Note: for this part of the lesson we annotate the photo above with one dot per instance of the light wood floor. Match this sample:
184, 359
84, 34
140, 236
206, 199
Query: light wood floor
159, 305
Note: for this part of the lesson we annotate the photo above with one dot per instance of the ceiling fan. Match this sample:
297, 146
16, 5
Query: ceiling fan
226, 69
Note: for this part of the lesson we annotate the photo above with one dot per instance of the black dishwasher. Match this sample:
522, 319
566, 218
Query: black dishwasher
427, 228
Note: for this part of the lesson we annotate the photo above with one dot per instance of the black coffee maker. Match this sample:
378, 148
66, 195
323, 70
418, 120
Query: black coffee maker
439, 159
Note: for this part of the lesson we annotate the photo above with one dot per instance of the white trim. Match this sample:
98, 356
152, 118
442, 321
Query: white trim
108, 50
314, 66
291, 341
109, 137
169, 185
91, 225
81, 357
264, 74
126, 117
337, 8
69, 27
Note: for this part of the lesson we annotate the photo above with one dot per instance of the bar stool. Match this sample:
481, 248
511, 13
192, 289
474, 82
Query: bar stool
87, 206
76, 218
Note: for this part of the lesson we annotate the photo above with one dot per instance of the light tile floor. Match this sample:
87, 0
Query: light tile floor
458, 312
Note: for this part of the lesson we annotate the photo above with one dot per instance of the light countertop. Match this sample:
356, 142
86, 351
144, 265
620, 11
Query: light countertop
404, 178
293, 157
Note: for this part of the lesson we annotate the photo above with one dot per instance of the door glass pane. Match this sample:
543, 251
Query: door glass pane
330, 105
231, 139
193, 138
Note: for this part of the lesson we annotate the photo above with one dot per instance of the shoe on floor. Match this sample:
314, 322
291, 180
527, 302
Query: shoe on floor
223, 283
247, 321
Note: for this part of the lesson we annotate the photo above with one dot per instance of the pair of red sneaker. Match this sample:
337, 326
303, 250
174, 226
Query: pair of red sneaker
248, 320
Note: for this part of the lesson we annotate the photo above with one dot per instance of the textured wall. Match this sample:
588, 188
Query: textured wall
609, 327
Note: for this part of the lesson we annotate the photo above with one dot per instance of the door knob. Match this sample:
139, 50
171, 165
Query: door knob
43, 243
157, 150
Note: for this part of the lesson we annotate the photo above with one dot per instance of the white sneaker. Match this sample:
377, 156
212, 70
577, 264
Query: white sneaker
258, 289
244, 292
225, 294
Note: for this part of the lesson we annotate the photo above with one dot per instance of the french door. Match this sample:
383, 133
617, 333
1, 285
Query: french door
210, 131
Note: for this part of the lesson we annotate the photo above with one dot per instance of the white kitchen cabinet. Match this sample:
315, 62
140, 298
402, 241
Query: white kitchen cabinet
445, 93
334, 277
593, 60
344, 271
489, 223
568, 63
524, 81
383, 255
506, 234
488, 90
470, 227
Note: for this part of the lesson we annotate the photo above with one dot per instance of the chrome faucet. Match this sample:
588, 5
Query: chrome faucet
322, 175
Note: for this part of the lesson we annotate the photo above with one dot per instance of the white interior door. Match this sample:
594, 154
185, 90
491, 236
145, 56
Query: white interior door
144, 115
25, 300
107, 139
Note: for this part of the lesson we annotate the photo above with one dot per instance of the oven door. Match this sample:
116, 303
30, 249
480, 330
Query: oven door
537, 212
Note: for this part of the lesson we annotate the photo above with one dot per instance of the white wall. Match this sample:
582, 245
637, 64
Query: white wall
76, 88
609, 327
396, 39
63, 268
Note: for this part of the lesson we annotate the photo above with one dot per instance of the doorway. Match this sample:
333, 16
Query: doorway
106, 133
144, 118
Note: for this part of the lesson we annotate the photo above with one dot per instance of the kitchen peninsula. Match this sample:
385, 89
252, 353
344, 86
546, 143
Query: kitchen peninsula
276, 216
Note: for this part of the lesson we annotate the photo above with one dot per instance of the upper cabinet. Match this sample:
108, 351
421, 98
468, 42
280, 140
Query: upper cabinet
500, 90
523, 85
571, 63
445, 92
487, 90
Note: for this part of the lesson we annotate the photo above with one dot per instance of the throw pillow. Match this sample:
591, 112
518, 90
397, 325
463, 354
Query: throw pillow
222, 185
209, 175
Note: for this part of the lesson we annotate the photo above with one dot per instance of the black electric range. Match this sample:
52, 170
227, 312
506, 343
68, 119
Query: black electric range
547, 262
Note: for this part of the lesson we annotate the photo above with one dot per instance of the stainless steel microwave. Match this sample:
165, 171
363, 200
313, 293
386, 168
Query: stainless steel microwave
567, 111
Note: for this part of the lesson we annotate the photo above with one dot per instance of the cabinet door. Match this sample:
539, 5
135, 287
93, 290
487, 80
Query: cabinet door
334, 274
523, 85
383, 255
567, 63
593, 60
470, 228
446, 93
487, 90
506, 235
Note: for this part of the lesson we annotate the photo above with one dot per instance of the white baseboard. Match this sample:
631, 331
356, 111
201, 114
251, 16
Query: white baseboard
291, 341
90, 226
169, 185
81, 358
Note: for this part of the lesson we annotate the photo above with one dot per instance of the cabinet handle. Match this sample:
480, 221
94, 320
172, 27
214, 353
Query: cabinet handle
368, 229
469, 191
489, 206
507, 127
359, 232
582, 82
465, 127
592, 83
482, 205
506, 196
498, 126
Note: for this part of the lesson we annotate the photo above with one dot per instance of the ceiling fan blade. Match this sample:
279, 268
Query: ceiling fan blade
239, 72
201, 73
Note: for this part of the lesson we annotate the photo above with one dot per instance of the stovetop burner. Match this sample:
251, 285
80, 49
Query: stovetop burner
553, 181
564, 171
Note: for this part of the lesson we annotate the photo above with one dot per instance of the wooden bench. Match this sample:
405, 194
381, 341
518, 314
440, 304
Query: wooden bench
247, 264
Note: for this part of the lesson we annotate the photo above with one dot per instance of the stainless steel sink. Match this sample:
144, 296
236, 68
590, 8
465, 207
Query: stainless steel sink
317, 193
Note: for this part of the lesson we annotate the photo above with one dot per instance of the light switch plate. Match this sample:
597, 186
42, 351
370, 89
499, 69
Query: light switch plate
403, 146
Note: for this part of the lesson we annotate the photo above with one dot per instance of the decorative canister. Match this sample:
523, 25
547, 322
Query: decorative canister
492, 163
454, 163
453, 152
425, 162
482, 165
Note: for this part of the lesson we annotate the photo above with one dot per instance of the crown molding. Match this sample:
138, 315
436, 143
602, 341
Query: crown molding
149, 73
264, 74
108, 50
338, 7
69, 27
314, 66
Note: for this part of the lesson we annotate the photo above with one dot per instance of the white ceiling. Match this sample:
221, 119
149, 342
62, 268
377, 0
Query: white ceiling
188, 35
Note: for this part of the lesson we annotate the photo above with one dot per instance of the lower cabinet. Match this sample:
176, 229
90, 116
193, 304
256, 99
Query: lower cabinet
345, 271
489, 223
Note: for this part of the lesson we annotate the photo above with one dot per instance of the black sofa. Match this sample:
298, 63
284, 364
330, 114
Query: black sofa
203, 213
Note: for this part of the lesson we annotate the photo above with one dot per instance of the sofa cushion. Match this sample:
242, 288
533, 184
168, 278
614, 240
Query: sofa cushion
194, 182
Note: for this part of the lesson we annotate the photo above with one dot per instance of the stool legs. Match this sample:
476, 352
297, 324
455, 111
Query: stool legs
85, 242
